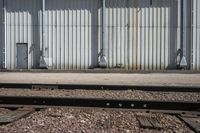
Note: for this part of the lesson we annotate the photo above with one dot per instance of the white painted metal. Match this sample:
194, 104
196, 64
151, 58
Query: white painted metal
150, 33
196, 35
103, 59
22, 27
72, 33
139, 36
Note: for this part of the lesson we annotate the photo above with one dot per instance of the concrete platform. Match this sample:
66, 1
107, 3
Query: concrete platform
151, 79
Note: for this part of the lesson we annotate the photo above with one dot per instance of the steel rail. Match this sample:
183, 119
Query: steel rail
99, 103
103, 87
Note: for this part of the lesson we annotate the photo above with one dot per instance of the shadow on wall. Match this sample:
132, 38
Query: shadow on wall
1, 35
23, 26
173, 45
95, 37
82, 36
1, 48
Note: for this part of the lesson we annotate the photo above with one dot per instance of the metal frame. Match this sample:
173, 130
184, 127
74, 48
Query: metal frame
42, 56
183, 62
4, 36
103, 59
18, 53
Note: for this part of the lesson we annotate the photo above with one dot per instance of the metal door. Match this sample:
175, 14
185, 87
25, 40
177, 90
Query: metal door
22, 56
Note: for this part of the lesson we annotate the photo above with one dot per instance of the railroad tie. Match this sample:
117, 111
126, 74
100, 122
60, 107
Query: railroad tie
15, 115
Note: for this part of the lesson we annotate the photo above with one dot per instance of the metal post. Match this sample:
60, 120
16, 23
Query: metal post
183, 62
103, 60
42, 57
43, 33
4, 35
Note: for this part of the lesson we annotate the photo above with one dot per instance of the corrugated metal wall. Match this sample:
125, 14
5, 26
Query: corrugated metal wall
140, 35
22, 27
196, 35
72, 33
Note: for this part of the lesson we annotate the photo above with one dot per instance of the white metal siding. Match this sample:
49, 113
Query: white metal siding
143, 36
196, 35
71, 33
139, 36
21, 27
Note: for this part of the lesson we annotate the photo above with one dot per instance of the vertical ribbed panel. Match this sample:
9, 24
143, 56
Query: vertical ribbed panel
71, 33
139, 36
21, 27
196, 35
1, 34
143, 36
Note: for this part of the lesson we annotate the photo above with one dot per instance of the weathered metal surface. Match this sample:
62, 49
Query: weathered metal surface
21, 26
140, 34
22, 56
72, 33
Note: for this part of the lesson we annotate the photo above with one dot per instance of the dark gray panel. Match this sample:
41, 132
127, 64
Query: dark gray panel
22, 56
1, 34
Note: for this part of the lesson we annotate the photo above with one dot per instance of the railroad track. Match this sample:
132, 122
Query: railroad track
169, 107
102, 87
19, 101
102, 103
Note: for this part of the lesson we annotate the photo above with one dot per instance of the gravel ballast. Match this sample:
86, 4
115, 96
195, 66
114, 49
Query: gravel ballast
79, 120
125, 94
68, 120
